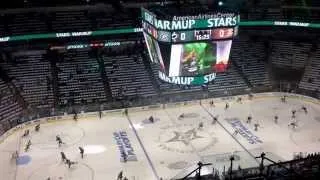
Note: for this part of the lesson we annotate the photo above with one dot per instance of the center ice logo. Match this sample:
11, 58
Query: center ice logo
185, 138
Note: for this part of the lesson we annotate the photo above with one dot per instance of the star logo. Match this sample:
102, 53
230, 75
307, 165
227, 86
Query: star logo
164, 36
185, 137
178, 138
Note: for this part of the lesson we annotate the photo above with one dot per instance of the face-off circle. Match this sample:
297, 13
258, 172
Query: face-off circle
46, 139
185, 138
78, 171
179, 165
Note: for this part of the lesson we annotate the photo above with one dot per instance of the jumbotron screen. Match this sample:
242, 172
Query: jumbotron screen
185, 63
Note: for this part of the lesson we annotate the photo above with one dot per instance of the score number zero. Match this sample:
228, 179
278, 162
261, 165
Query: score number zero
178, 36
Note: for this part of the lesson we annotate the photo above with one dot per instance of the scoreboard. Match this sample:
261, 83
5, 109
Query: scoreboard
201, 35
181, 36
190, 50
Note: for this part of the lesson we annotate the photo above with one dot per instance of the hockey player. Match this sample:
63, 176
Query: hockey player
26, 133
239, 100
27, 146
81, 151
293, 114
249, 119
256, 125
200, 126
293, 125
235, 132
151, 119
58, 139
227, 106
250, 96
284, 99
63, 157
37, 128
212, 103
120, 175
69, 162
215, 119
181, 116
75, 116
15, 155
276, 119
124, 156
100, 114
304, 109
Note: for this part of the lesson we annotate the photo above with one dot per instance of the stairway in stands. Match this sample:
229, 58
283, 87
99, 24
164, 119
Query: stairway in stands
13, 89
104, 76
241, 73
148, 68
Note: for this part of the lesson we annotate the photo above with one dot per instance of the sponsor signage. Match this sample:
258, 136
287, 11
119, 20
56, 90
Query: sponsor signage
4, 39
192, 22
124, 146
138, 30
196, 80
286, 23
244, 131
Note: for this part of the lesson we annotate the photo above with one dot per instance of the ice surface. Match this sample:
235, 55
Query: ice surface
169, 147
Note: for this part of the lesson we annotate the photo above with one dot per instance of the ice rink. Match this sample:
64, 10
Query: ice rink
169, 147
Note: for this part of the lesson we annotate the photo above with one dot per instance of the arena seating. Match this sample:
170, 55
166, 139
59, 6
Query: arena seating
290, 54
84, 20
127, 76
79, 78
31, 75
273, 14
10, 110
25, 23
250, 59
105, 20
256, 14
65, 21
311, 77
2, 26
229, 80
268, 3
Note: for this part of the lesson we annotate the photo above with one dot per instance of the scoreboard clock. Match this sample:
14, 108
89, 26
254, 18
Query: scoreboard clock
201, 35
190, 35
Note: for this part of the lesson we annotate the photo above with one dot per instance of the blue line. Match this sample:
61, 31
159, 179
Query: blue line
231, 135
143, 148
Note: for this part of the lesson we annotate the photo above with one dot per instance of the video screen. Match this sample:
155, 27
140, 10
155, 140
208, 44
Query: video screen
199, 58
192, 59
